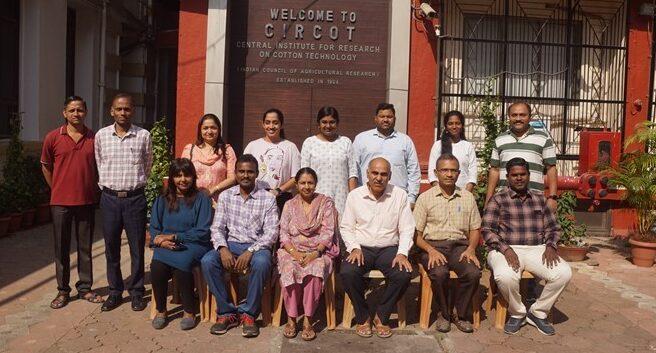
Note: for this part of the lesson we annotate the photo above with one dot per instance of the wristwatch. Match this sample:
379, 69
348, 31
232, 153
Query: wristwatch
278, 191
553, 197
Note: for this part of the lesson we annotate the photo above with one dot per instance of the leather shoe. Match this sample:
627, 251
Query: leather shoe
138, 303
112, 302
442, 324
463, 326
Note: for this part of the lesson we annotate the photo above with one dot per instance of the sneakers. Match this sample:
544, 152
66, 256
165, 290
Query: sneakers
249, 328
513, 325
224, 323
542, 325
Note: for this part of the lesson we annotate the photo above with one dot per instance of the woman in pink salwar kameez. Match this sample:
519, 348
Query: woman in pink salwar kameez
308, 248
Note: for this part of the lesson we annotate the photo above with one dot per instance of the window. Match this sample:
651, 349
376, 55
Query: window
9, 34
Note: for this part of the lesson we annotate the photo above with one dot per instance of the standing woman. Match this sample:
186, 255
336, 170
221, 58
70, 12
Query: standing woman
329, 154
213, 159
308, 248
278, 159
180, 229
453, 141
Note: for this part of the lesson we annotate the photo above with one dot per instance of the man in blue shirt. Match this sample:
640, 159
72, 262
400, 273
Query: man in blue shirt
394, 146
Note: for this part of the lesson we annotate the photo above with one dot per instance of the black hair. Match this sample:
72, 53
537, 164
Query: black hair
385, 106
307, 170
70, 99
521, 103
186, 167
281, 117
447, 143
123, 95
516, 162
247, 158
447, 157
220, 145
327, 111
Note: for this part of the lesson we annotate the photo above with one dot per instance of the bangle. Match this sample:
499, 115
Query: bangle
291, 250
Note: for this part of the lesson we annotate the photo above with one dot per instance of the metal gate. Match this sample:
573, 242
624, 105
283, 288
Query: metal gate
566, 58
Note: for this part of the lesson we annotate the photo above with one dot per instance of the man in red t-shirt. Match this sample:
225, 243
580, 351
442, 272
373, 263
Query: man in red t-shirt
69, 166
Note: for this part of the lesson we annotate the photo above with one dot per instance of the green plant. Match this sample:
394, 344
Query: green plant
161, 161
636, 173
36, 183
573, 233
15, 172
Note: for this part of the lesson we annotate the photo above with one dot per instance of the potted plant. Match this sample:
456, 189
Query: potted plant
571, 245
636, 174
14, 175
160, 169
4, 206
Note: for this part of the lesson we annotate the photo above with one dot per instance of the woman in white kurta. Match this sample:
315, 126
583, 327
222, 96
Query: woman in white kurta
329, 154
453, 141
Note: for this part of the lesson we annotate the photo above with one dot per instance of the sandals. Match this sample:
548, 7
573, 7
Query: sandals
91, 297
308, 333
60, 301
289, 331
382, 331
364, 330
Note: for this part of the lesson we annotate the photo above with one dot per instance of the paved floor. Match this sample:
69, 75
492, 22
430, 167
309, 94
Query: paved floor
608, 307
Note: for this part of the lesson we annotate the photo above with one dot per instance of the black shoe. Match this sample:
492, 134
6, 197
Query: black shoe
112, 302
443, 325
138, 304
249, 328
513, 325
224, 323
463, 325
542, 325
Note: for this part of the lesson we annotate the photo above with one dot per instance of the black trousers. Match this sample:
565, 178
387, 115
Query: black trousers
468, 278
355, 285
160, 273
67, 220
127, 213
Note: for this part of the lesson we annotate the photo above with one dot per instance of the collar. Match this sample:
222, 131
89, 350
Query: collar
530, 131
514, 194
252, 194
367, 193
439, 192
131, 131
64, 131
376, 133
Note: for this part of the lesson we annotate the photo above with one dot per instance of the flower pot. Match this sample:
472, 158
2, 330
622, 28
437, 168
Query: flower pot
28, 217
42, 213
15, 222
642, 253
4, 225
572, 253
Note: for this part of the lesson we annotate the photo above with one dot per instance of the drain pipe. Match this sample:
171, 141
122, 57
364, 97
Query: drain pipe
103, 56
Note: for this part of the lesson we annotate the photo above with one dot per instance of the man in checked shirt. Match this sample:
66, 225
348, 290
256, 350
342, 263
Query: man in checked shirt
522, 233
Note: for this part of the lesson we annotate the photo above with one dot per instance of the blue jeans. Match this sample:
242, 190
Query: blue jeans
260, 270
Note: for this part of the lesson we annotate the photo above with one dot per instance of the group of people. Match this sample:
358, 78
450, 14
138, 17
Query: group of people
336, 204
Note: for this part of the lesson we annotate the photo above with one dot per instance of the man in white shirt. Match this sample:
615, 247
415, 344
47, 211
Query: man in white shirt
377, 228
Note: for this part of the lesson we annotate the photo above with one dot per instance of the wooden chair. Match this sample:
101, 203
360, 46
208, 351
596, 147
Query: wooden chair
201, 289
426, 300
348, 314
233, 288
501, 303
328, 295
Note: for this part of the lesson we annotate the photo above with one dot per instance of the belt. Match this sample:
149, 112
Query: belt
124, 194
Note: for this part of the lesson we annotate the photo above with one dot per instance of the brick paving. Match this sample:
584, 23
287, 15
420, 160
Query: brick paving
608, 307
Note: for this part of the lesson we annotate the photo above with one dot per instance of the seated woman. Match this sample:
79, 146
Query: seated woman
308, 248
180, 233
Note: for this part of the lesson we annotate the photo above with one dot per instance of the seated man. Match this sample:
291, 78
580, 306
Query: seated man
245, 228
377, 228
448, 231
522, 234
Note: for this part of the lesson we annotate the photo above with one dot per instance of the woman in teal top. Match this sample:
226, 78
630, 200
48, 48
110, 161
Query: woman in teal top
180, 234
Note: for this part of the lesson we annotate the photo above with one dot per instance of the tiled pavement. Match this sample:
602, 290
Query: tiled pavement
606, 308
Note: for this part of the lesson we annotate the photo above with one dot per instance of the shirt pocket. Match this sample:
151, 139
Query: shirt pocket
537, 215
135, 155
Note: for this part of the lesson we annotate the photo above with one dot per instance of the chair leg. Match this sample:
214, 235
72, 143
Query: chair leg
502, 310
348, 314
266, 304
476, 309
329, 298
400, 307
213, 308
277, 305
202, 289
234, 287
426, 300
491, 290
153, 306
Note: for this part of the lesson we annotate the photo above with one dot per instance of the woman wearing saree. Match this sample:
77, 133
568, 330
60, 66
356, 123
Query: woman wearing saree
308, 248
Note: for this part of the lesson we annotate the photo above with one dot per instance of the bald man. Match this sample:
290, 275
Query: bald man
377, 228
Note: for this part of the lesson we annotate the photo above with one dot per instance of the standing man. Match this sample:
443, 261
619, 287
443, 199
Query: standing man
522, 233
448, 232
69, 167
396, 147
536, 147
124, 157
377, 229
244, 230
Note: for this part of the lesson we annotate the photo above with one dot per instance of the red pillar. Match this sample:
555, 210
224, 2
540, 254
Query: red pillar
192, 42
638, 68
422, 95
